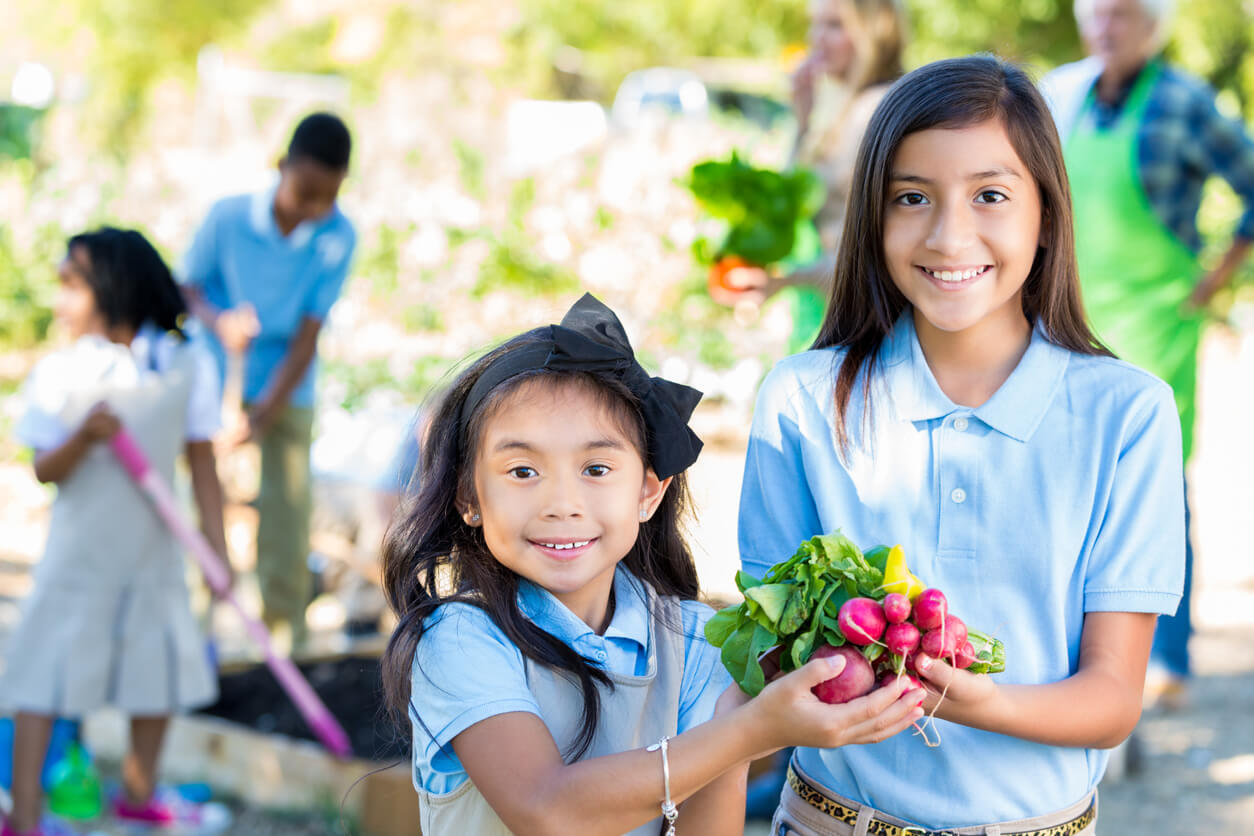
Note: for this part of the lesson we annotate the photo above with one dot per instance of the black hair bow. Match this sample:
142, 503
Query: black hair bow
590, 338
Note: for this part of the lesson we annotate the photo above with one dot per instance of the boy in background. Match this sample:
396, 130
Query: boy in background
261, 275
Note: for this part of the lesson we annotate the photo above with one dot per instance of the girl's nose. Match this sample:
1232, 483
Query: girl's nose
952, 231
563, 499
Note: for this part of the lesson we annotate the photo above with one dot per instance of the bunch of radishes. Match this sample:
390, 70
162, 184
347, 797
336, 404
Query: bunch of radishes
891, 633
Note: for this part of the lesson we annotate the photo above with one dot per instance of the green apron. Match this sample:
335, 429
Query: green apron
1136, 275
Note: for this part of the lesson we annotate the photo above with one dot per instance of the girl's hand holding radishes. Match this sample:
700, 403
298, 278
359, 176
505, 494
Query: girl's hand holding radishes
789, 712
966, 695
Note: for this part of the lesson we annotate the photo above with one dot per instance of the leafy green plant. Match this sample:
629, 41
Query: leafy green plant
763, 209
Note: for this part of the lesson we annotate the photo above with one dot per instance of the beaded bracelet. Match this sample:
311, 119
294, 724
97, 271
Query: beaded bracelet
669, 812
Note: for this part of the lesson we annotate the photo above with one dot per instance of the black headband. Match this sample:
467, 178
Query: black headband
590, 338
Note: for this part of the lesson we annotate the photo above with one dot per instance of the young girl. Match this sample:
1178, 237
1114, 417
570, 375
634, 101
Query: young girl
549, 637
957, 403
108, 620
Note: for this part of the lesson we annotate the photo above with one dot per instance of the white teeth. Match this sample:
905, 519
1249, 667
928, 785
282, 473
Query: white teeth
956, 275
562, 546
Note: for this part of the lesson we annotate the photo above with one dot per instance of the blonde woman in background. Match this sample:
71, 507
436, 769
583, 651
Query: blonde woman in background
854, 56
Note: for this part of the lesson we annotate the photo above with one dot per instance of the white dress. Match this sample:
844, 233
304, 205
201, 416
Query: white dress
108, 620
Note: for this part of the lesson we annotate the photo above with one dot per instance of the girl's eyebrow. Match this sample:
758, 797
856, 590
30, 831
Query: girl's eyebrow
999, 171
518, 444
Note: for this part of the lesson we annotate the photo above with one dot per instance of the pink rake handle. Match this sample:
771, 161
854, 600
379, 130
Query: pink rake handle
316, 714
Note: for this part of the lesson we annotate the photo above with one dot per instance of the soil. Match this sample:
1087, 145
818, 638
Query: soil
350, 687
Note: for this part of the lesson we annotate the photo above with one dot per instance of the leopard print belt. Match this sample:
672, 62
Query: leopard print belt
819, 800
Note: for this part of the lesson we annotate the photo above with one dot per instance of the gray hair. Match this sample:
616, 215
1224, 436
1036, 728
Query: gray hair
1159, 11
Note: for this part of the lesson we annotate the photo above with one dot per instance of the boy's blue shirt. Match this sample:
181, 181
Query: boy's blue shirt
239, 255
1061, 495
466, 669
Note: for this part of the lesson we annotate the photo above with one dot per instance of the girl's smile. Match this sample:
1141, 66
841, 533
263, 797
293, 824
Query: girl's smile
561, 501
953, 278
560, 549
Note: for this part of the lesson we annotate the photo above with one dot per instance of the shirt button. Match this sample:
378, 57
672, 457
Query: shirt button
958, 495
960, 424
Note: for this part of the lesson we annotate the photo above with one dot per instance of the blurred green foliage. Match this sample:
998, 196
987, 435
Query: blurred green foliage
17, 130
1033, 31
127, 46
357, 381
27, 286
512, 262
603, 40
124, 48
379, 262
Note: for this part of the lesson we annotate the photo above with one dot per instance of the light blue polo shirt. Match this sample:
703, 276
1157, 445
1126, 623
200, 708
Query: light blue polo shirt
1061, 495
239, 255
466, 669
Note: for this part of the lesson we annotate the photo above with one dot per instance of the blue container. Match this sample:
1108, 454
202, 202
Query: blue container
6, 752
65, 733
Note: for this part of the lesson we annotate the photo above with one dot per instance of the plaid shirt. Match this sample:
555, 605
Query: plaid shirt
1182, 141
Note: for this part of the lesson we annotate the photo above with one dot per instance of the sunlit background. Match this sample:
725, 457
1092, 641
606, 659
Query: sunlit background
508, 155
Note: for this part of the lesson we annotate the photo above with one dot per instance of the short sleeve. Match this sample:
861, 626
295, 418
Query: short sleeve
200, 262
777, 510
42, 400
465, 670
204, 407
335, 255
1137, 559
705, 678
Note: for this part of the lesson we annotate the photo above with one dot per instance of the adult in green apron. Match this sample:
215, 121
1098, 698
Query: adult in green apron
1136, 276
1140, 138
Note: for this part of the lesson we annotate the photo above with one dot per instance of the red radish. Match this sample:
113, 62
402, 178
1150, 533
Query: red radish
896, 607
861, 621
930, 609
901, 638
964, 657
939, 644
856, 680
955, 625
888, 678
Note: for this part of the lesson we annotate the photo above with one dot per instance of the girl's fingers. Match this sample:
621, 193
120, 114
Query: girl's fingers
818, 670
934, 671
888, 720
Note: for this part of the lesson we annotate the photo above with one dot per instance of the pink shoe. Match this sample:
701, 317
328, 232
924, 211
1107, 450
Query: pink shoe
150, 812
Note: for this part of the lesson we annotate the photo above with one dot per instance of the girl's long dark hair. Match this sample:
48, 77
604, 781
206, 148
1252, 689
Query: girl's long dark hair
431, 557
130, 281
955, 93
